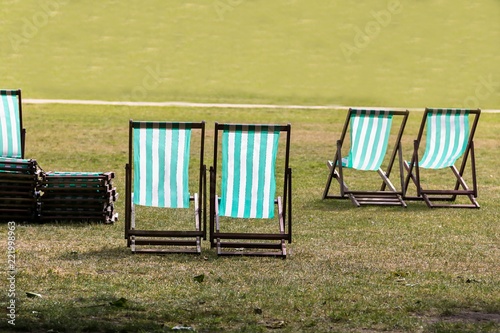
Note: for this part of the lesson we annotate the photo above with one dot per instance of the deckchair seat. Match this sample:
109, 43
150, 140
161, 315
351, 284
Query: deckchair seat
12, 133
17, 178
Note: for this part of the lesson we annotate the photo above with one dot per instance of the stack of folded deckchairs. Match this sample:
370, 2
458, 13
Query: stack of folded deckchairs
18, 189
77, 196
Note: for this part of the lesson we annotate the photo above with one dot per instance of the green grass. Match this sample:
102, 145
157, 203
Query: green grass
369, 269
417, 54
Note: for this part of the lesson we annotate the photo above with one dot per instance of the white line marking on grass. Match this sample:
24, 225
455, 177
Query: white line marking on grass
215, 105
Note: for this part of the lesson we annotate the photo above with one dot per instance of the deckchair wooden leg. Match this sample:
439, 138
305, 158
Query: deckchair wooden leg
391, 186
354, 200
461, 181
197, 221
217, 227
282, 227
334, 174
132, 215
132, 244
331, 174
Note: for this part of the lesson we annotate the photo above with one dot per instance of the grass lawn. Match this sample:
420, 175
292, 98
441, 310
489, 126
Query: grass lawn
368, 269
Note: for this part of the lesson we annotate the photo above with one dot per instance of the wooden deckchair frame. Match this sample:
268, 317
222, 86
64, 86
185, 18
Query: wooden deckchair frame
172, 241
388, 194
435, 198
22, 130
251, 243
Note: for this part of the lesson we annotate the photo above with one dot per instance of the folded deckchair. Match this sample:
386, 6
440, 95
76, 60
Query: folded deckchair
69, 196
157, 175
370, 134
18, 195
242, 217
12, 133
449, 138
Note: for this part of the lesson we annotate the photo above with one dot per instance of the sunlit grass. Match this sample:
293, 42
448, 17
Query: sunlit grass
349, 269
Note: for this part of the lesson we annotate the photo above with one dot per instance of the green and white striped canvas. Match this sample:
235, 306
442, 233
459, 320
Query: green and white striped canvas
370, 131
248, 171
10, 125
161, 164
447, 136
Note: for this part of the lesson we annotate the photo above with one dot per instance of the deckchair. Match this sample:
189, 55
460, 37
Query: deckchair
370, 133
157, 175
449, 137
242, 217
12, 133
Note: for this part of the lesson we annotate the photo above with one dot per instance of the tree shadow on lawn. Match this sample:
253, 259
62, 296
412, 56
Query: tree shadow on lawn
79, 223
87, 314
462, 320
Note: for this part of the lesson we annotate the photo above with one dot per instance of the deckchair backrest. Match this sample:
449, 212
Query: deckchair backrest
369, 133
447, 137
161, 164
10, 124
248, 171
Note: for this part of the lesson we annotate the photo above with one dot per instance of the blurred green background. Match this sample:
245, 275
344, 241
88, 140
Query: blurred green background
372, 53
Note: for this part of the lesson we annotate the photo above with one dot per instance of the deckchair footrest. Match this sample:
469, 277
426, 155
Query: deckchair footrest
161, 233
236, 245
253, 254
160, 251
375, 194
447, 192
456, 206
384, 196
226, 235
176, 242
389, 200
240, 249
434, 198
177, 245
373, 201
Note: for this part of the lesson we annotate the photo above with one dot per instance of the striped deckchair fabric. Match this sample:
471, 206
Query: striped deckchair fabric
157, 175
161, 164
447, 137
369, 136
248, 159
370, 130
248, 171
11, 144
449, 141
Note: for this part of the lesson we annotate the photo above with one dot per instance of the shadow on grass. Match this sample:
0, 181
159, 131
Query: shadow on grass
347, 205
60, 223
462, 320
123, 252
69, 223
88, 315
102, 253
